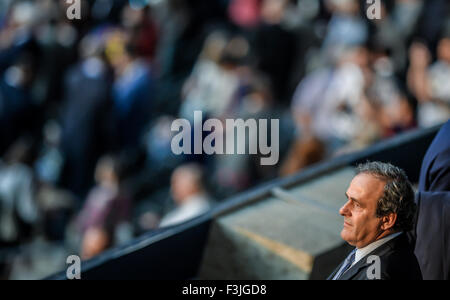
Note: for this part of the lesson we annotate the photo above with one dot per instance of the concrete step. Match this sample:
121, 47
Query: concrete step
286, 236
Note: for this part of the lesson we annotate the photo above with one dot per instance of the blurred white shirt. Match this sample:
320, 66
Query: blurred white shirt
194, 207
433, 113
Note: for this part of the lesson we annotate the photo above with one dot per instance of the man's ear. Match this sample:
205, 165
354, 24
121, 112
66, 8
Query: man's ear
388, 222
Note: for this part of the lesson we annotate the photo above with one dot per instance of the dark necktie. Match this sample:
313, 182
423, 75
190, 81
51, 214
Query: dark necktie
347, 264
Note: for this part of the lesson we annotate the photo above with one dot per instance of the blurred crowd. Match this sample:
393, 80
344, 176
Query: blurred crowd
86, 106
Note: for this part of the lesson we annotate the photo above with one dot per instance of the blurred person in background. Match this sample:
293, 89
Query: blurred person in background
189, 195
142, 29
86, 116
257, 102
245, 13
18, 206
428, 82
337, 119
394, 113
254, 101
326, 107
103, 220
346, 28
36, 27
16, 31
133, 89
185, 25
19, 54
57, 204
274, 48
214, 82
57, 39
395, 29
434, 15
18, 111
439, 74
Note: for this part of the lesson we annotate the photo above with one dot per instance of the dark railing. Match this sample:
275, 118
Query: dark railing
176, 252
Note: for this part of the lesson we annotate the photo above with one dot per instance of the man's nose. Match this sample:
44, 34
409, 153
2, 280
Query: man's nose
344, 209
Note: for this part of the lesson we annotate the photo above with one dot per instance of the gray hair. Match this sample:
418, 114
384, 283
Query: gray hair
398, 195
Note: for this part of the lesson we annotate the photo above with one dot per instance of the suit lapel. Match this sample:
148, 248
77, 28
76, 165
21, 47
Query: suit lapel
362, 264
335, 271
353, 271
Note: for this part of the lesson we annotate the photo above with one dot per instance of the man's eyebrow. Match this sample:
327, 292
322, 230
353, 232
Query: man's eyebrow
353, 199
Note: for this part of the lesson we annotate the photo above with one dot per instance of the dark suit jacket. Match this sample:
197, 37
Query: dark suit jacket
435, 172
432, 234
397, 259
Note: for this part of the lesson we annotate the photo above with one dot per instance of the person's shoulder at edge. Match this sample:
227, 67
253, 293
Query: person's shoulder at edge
399, 261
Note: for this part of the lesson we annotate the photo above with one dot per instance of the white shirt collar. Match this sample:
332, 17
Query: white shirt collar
361, 253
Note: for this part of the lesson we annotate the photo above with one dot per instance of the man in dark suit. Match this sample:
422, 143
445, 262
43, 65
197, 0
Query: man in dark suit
432, 232
379, 211
435, 172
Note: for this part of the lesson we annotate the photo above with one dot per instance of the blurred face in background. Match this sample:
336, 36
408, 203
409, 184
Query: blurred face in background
419, 55
214, 47
358, 55
184, 185
396, 114
116, 51
132, 17
350, 7
272, 11
105, 173
444, 50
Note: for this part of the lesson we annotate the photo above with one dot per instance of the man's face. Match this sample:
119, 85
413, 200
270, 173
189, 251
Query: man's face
361, 226
444, 50
183, 186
